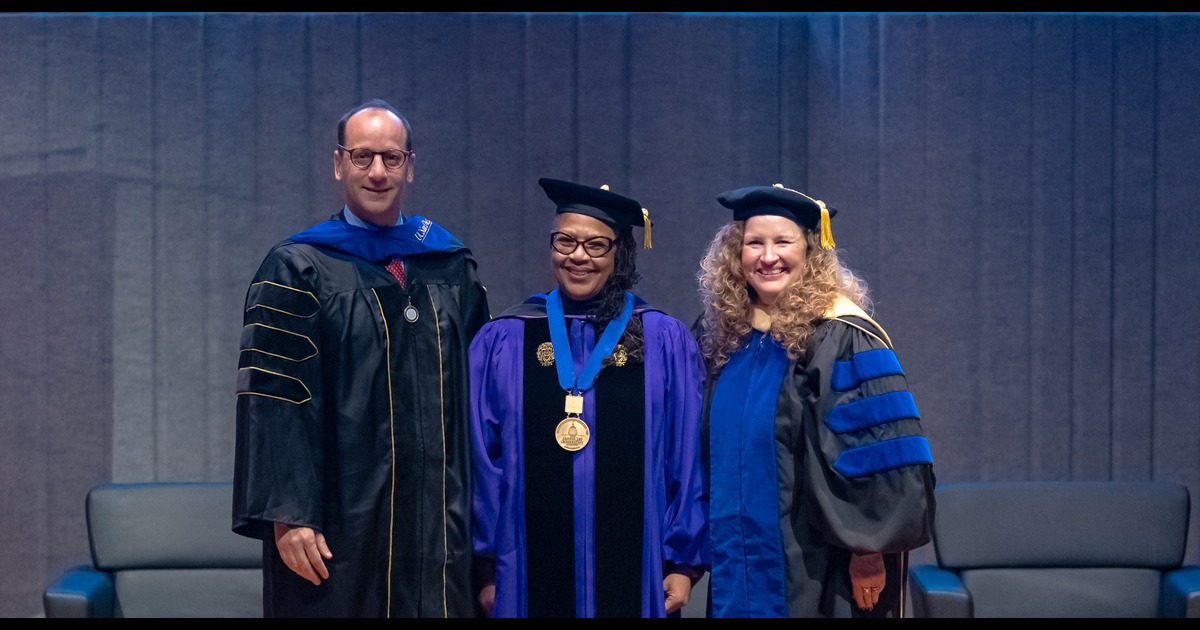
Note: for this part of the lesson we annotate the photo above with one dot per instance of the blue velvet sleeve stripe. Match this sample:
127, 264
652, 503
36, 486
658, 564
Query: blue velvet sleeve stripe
864, 366
886, 455
868, 412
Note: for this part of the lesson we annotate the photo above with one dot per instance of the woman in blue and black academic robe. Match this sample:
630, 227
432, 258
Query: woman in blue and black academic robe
585, 409
821, 478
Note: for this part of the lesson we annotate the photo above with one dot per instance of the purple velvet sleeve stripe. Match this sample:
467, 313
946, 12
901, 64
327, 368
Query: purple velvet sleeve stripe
864, 366
868, 412
885, 455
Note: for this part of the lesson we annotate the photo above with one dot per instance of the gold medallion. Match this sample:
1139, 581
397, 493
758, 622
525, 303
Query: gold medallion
545, 354
572, 434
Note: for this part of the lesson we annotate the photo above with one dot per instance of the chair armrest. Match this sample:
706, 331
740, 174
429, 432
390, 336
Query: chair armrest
80, 592
937, 592
1180, 596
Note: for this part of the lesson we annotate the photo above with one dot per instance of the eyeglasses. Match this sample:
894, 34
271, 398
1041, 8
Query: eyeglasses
566, 244
363, 158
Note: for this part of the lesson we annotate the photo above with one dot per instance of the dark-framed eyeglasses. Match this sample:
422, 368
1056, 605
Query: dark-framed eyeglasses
363, 158
566, 244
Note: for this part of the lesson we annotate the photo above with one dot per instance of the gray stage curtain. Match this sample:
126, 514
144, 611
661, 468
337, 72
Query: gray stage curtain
1018, 188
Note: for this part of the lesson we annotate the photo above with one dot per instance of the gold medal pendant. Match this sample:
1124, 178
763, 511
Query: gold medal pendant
572, 434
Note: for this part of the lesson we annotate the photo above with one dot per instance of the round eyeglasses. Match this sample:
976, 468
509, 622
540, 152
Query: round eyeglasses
566, 244
363, 158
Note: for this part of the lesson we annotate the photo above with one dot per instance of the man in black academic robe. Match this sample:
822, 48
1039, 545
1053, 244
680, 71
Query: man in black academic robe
352, 418
360, 436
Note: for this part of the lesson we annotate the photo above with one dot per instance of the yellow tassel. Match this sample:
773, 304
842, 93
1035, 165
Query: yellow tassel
826, 230
646, 227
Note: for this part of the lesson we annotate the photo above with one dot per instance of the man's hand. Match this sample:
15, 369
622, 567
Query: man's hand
303, 551
677, 588
867, 578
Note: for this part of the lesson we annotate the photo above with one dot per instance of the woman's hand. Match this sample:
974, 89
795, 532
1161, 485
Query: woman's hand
867, 578
677, 589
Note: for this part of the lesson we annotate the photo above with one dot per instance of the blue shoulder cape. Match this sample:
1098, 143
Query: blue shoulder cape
417, 235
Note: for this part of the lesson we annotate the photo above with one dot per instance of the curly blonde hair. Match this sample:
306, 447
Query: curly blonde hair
729, 299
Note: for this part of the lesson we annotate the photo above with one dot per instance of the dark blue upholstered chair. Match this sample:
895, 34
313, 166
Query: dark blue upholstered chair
161, 550
1058, 549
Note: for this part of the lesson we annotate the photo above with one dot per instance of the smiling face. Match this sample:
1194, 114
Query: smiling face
773, 253
578, 275
374, 194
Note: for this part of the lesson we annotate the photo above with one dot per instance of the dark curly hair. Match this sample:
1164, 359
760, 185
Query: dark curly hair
612, 297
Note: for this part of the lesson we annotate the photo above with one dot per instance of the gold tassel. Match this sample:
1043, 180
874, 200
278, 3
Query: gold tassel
646, 226
826, 230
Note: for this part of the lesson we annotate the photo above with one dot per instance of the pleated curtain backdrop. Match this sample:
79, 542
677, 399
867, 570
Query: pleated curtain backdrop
1018, 188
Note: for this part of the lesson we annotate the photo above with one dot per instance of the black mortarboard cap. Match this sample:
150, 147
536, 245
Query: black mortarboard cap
779, 201
618, 212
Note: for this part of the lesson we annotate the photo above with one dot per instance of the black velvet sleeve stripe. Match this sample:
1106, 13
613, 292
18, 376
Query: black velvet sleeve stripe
277, 342
282, 299
259, 382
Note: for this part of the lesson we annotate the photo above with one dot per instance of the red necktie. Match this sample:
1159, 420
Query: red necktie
397, 268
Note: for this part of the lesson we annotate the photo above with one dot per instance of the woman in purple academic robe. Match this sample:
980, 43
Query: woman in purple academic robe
585, 415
